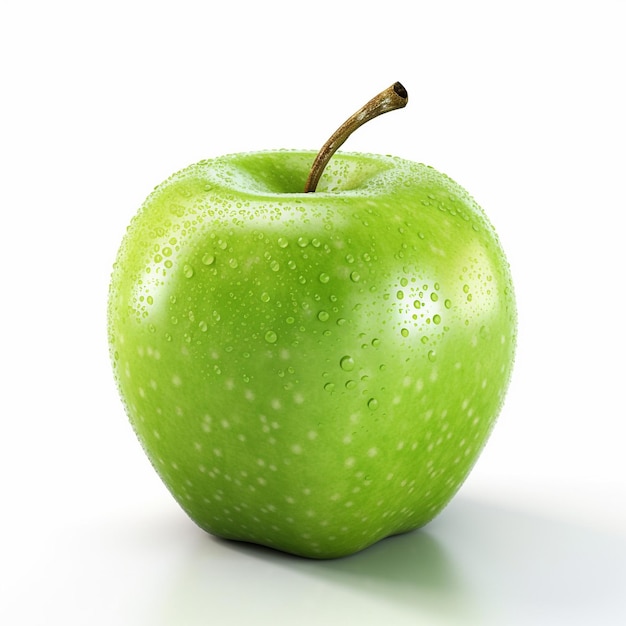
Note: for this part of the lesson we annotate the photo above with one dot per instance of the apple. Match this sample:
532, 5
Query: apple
311, 371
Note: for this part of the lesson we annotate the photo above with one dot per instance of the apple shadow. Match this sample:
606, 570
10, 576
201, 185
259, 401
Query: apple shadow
475, 564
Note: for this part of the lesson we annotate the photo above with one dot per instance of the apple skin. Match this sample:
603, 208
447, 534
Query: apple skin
311, 372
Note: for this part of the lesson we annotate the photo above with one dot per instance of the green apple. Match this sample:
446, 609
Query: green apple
311, 372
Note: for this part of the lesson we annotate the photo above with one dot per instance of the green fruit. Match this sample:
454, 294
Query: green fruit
312, 372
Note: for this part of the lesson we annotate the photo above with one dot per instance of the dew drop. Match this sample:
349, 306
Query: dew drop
188, 270
404, 332
329, 387
347, 363
233, 263
282, 242
447, 304
375, 342
208, 259
323, 316
274, 265
303, 242
265, 297
203, 326
355, 277
372, 404
271, 336
324, 277
432, 356
434, 297
437, 318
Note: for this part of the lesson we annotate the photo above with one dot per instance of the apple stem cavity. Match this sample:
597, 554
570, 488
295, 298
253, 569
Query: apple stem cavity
392, 98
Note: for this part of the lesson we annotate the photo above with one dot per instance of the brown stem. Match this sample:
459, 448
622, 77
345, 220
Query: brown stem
392, 98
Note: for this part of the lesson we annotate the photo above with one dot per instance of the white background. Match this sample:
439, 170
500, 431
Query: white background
522, 103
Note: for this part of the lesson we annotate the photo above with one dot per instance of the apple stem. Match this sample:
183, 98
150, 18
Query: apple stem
392, 98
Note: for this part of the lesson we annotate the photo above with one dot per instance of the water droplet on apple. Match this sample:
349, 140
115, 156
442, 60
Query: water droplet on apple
324, 277
329, 387
347, 363
400, 295
208, 259
447, 304
187, 270
274, 265
303, 242
203, 326
434, 297
341, 321
404, 332
282, 242
375, 342
323, 316
265, 297
355, 277
372, 404
271, 336
437, 318
233, 263
432, 356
